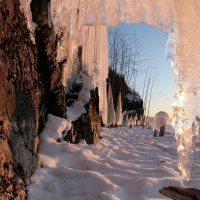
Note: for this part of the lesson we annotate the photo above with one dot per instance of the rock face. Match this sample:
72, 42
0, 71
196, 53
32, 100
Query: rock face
49, 69
18, 103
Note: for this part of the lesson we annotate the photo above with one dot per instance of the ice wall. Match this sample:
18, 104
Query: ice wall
85, 23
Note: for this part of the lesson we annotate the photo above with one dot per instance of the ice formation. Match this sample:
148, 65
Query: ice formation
160, 119
127, 121
95, 60
111, 110
119, 114
85, 23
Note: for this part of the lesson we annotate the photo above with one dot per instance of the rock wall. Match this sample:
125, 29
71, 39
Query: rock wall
49, 69
18, 103
32, 84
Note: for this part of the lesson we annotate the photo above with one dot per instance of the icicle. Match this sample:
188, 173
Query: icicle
131, 121
119, 115
101, 60
186, 131
111, 110
127, 121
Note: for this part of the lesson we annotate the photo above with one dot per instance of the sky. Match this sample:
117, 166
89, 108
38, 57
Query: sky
153, 54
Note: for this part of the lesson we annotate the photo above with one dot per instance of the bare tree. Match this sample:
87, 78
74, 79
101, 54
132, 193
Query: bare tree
124, 56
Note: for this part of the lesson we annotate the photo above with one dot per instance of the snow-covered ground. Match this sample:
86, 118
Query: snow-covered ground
125, 164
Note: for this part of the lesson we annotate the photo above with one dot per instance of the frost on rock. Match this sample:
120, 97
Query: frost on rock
160, 120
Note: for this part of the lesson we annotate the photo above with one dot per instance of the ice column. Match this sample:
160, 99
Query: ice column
88, 34
101, 60
186, 67
119, 115
95, 60
111, 110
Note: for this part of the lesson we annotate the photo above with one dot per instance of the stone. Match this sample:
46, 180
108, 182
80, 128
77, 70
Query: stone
87, 126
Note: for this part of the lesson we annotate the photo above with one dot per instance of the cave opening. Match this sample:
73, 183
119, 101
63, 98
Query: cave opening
140, 54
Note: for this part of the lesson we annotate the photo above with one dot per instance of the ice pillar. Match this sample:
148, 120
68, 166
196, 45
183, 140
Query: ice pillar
186, 67
95, 60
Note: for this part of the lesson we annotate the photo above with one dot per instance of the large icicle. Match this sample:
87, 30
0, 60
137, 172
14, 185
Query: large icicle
119, 115
111, 110
101, 60
186, 65
186, 131
95, 60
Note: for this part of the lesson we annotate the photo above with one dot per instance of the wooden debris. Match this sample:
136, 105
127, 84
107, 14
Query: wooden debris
178, 193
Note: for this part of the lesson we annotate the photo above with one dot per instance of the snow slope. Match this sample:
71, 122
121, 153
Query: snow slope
125, 164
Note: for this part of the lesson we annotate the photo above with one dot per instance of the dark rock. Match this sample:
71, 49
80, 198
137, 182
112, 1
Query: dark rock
162, 131
87, 126
76, 88
133, 105
72, 95
50, 71
22, 139
69, 102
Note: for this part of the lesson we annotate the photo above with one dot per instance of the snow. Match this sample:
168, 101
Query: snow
128, 164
